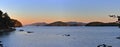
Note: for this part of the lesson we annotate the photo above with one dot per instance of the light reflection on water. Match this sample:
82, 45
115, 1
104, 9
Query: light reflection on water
54, 37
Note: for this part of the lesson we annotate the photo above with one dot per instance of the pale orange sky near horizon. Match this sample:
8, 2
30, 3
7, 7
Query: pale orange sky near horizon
33, 11
29, 20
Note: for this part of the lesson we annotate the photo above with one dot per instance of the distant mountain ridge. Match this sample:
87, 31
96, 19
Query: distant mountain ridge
76, 23
37, 24
58, 23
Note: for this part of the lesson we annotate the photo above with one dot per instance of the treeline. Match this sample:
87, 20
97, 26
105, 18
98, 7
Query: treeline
6, 22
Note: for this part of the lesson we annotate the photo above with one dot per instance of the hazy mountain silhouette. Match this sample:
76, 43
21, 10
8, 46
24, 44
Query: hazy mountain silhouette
37, 24
76, 23
58, 23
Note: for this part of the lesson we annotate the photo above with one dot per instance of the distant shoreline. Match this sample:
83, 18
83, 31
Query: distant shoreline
75, 26
60, 23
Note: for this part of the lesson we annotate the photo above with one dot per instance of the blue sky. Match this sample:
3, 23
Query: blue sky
61, 10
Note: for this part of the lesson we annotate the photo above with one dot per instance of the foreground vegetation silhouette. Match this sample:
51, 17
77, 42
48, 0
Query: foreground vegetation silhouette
7, 23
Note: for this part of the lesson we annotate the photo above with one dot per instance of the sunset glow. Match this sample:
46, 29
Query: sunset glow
33, 11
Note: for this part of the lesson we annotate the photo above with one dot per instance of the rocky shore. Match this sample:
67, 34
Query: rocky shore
7, 30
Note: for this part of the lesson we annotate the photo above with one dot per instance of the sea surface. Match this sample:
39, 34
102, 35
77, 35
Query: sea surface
54, 36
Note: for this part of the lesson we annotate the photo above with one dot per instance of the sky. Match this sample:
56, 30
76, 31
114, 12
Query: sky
32, 11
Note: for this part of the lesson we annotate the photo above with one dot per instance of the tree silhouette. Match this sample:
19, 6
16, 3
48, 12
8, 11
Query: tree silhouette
16, 23
6, 22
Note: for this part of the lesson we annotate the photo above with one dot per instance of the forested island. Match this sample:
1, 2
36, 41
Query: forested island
7, 23
102, 24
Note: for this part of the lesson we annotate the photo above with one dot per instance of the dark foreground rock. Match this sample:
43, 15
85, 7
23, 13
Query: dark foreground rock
117, 37
7, 30
103, 45
21, 30
66, 35
1, 45
29, 32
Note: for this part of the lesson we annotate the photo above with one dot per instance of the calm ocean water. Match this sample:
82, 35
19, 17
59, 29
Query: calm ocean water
43, 36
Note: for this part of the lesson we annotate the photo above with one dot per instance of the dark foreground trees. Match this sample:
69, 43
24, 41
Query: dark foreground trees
6, 22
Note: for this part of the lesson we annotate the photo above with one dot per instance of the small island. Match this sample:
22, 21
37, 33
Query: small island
102, 24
